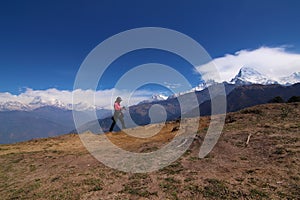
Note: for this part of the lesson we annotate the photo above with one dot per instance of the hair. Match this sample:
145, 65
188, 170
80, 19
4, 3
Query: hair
118, 99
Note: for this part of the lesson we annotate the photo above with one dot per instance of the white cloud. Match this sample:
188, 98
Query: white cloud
273, 62
172, 85
83, 98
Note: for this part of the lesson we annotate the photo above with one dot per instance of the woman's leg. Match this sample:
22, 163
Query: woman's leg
112, 125
121, 118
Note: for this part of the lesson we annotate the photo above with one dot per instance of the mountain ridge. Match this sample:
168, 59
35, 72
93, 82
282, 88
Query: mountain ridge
57, 121
41, 122
245, 76
238, 97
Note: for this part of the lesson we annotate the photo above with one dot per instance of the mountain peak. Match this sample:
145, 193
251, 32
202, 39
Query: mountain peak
249, 69
155, 98
246, 72
248, 75
296, 75
291, 79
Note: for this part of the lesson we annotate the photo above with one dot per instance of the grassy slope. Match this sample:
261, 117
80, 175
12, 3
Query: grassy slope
268, 168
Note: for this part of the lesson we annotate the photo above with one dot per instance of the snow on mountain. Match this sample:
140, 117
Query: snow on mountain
13, 105
154, 98
158, 97
245, 76
203, 85
83, 106
290, 80
248, 76
200, 87
38, 102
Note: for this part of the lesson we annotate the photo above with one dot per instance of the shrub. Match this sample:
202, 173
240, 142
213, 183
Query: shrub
277, 99
294, 99
251, 111
285, 112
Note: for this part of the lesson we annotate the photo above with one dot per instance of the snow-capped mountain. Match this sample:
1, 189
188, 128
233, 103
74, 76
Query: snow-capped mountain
154, 98
13, 105
290, 80
203, 85
38, 102
248, 76
245, 76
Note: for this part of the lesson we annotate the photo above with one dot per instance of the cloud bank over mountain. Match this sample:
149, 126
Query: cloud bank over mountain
31, 99
275, 62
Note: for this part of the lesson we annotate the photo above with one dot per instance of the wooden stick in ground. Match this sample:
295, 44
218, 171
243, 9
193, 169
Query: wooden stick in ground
248, 139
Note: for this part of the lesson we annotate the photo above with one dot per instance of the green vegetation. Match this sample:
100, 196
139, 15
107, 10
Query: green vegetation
285, 111
32, 167
277, 99
294, 99
137, 186
216, 188
172, 180
193, 189
139, 191
171, 186
174, 168
279, 150
251, 111
22, 192
194, 158
257, 194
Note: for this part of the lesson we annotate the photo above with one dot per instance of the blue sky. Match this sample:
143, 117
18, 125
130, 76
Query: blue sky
43, 43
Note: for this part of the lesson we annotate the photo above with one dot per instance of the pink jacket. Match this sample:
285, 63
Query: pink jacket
117, 106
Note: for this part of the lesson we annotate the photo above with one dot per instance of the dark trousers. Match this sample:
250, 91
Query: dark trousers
117, 115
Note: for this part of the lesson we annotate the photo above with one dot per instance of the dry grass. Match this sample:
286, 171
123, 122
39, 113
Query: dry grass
267, 168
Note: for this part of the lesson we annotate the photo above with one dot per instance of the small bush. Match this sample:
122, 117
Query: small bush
138, 190
174, 168
277, 99
215, 188
294, 99
172, 180
251, 111
258, 194
285, 112
279, 150
229, 119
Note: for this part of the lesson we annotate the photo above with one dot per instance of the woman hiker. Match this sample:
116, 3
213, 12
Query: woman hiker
117, 114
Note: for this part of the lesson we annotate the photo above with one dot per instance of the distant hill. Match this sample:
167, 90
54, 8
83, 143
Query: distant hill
251, 95
18, 126
42, 122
